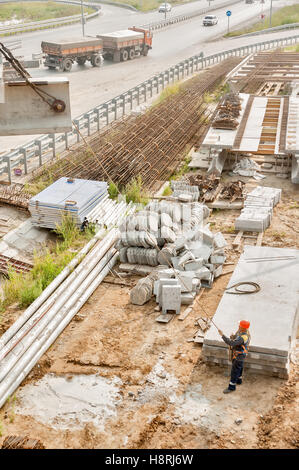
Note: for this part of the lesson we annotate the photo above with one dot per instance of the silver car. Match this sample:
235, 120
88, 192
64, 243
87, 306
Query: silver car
164, 7
210, 20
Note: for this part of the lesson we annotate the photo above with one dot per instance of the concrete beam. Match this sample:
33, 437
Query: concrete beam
24, 111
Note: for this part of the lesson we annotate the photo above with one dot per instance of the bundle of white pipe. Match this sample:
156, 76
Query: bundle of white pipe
109, 212
33, 337
47, 292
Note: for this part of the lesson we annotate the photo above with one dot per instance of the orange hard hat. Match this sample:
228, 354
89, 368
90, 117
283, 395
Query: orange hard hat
244, 324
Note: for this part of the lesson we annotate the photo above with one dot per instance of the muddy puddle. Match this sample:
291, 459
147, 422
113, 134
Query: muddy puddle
70, 402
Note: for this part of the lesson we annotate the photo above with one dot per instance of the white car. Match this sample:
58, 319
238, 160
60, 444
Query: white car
210, 20
164, 7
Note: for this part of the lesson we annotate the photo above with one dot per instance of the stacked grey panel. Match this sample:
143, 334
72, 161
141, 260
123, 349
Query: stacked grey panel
181, 189
273, 311
76, 197
258, 209
173, 234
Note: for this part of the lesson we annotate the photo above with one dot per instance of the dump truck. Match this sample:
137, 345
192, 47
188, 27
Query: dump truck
64, 53
126, 44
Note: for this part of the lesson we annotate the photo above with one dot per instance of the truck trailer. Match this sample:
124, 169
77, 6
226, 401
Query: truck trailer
126, 44
64, 53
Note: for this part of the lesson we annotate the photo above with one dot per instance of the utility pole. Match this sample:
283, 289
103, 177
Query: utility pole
270, 15
82, 18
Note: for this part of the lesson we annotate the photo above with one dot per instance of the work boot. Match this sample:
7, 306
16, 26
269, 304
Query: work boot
239, 382
228, 390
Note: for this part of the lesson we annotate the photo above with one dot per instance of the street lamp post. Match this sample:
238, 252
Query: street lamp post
270, 15
82, 18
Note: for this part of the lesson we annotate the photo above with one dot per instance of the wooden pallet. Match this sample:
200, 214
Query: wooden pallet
241, 236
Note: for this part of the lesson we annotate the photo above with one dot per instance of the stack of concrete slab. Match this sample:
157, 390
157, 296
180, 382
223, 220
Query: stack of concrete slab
173, 235
273, 311
258, 209
67, 196
159, 228
184, 191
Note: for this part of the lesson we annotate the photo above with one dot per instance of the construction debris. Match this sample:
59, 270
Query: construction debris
14, 195
227, 112
171, 236
21, 442
7, 264
210, 188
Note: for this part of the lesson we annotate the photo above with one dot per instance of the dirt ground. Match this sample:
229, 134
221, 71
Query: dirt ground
167, 396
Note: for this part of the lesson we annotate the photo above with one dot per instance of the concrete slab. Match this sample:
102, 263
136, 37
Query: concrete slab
273, 312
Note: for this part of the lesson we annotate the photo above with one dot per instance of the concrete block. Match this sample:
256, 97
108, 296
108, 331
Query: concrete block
184, 197
166, 220
175, 263
208, 282
168, 234
203, 251
185, 257
194, 265
202, 273
165, 282
218, 271
171, 298
187, 298
219, 240
217, 259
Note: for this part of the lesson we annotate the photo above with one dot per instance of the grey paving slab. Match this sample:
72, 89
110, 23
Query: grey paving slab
273, 312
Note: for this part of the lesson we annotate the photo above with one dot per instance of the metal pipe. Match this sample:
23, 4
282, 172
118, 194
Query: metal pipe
46, 293
16, 347
25, 365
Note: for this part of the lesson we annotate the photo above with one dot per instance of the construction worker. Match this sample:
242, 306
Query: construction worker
84, 224
239, 344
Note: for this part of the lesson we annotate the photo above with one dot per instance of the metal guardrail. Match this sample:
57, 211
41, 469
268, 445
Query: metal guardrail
178, 18
269, 30
52, 23
37, 152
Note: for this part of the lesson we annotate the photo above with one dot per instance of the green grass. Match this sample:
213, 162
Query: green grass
285, 15
134, 192
23, 289
168, 91
292, 48
38, 11
113, 190
214, 97
167, 191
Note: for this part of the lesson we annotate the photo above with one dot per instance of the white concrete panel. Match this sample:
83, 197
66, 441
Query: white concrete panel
273, 311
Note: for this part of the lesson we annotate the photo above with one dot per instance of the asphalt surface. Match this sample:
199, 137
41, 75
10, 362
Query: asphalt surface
92, 86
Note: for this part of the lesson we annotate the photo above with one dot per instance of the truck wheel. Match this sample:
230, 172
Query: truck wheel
67, 65
124, 55
81, 60
131, 54
145, 50
96, 61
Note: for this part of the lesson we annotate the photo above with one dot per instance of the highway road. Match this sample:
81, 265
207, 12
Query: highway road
91, 86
